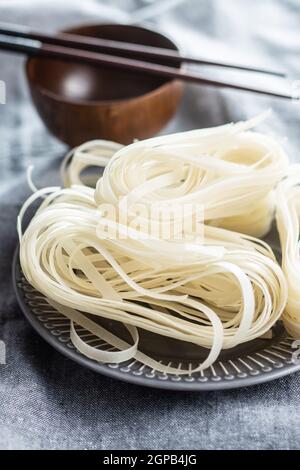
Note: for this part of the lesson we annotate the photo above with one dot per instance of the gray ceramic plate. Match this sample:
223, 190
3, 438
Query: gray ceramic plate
254, 362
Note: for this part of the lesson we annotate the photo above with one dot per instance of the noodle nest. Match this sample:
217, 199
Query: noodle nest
214, 282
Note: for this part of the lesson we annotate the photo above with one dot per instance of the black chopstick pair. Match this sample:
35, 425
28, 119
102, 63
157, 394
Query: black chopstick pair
84, 49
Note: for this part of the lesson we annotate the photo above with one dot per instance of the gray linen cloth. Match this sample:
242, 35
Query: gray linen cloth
46, 400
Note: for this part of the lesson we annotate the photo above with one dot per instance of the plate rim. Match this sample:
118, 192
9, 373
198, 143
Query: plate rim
104, 369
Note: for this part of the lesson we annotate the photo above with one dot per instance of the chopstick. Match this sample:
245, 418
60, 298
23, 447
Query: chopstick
112, 46
37, 48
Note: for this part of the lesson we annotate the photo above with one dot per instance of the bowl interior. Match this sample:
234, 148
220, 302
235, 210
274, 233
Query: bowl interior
74, 81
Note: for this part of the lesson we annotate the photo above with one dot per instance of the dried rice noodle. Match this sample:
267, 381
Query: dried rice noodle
287, 218
217, 294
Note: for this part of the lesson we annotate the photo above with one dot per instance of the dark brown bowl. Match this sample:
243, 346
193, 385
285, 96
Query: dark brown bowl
79, 102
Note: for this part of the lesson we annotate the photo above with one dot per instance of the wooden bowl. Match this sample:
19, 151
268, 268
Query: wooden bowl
79, 102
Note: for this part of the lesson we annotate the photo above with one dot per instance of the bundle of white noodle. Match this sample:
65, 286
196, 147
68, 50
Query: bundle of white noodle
287, 218
217, 292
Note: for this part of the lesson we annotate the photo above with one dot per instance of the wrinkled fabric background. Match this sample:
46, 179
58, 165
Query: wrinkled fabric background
47, 401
